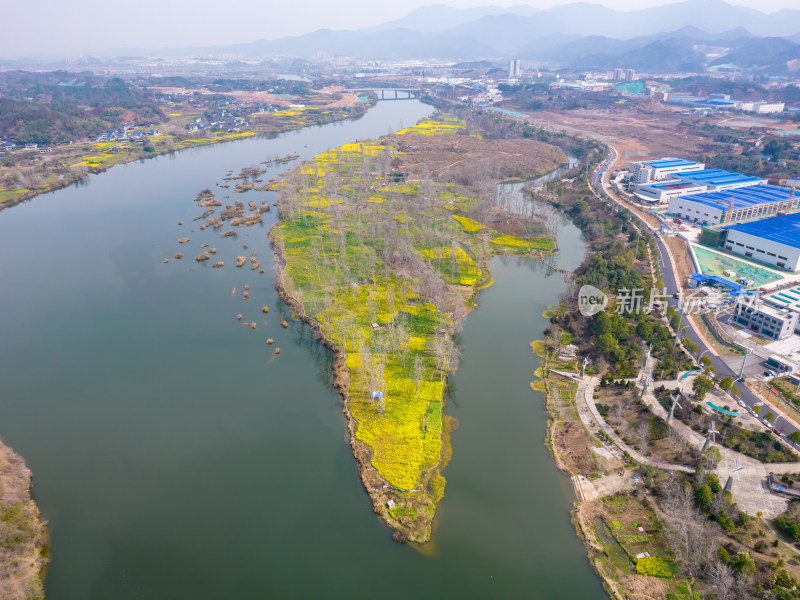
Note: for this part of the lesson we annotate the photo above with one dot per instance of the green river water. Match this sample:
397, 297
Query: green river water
176, 458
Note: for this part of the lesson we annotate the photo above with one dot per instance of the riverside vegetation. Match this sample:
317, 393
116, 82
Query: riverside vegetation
64, 113
23, 536
674, 535
382, 246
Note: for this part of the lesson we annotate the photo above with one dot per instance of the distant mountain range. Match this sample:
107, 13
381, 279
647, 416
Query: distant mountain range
686, 36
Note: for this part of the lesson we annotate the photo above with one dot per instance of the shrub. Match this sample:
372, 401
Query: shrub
743, 564
703, 496
725, 521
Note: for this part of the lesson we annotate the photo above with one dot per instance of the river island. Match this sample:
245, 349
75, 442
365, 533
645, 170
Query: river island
382, 246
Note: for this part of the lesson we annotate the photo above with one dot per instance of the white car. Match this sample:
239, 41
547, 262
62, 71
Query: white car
742, 404
765, 422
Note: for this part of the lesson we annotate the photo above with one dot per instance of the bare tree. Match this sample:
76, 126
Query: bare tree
693, 542
720, 576
643, 434
418, 372
402, 336
711, 458
554, 337
447, 356
618, 412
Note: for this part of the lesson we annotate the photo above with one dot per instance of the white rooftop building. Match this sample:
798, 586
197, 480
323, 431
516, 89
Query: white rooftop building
661, 169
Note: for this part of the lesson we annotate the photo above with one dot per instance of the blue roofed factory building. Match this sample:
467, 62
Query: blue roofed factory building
657, 181
718, 179
736, 204
692, 178
661, 169
775, 241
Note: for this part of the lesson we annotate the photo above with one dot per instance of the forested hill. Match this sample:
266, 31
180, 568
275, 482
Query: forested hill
56, 107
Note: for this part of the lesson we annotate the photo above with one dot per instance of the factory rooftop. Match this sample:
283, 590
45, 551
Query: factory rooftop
673, 184
784, 229
744, 197
788, 298
720, 177
668, 163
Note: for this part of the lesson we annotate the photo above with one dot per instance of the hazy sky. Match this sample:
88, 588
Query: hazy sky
68, 27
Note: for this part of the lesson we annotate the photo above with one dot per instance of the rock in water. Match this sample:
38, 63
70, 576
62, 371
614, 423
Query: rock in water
265, 309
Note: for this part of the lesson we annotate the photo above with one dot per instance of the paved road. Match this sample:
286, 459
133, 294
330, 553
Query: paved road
723, 367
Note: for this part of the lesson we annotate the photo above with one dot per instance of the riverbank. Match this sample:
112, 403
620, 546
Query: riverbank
386, 284
63, 166
24, 547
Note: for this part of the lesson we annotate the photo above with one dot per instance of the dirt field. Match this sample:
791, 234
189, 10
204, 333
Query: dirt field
464, 158
641, 131
573, 446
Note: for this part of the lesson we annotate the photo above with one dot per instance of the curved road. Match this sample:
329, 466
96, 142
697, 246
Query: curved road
665, 263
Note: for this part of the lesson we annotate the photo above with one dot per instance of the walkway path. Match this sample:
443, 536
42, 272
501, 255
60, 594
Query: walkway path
749, 484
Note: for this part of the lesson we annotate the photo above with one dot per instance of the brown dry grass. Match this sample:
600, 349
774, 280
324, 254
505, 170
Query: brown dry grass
22, 532
572, 445
463, 158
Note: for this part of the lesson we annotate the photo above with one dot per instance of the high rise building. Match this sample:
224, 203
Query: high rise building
617, 74
514, 68
630, 75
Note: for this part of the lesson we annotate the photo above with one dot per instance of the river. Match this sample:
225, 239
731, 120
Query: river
175, 456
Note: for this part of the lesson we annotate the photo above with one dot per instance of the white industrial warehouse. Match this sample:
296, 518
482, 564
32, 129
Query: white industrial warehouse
775, 241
